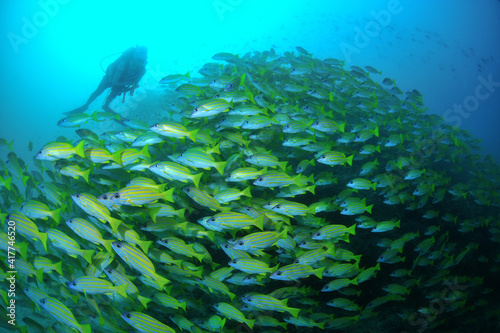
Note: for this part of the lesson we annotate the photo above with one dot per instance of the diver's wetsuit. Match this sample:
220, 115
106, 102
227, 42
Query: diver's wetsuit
122, 75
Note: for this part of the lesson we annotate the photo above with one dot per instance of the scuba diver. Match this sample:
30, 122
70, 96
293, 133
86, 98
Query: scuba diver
122, 75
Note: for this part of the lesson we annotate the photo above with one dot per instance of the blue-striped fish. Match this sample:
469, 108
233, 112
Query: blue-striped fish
138, 261
231, 194
235, 220
74, 171
169, 301
88, 231
47, 265
53, 151
92, 285
28, 228
38, 210
211, 107
68, 245
148, 138
140, 195
214, 284
119, 279
101, 155
266, 160
93, 207
203, 198
259, 240
174, 130
250, 265
199, 158
62, 314
292, 208
265, 302
334, 158
229, 311
242, 174
144, 323
175, 171
334, 231
177, 245
294, 272
277, 179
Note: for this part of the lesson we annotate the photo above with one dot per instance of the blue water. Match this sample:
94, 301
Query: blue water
53, 53
51, 50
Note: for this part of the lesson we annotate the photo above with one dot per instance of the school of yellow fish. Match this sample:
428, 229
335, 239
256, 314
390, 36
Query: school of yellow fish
277, 193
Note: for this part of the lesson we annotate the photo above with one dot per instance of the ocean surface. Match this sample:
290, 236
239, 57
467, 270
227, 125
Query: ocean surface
420, 78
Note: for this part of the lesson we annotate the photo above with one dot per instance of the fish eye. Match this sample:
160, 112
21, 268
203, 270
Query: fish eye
296, 261
225, 246
240, 243
212, 219
73, 283
118, 245
157, 125
105, 197
77, 195
117, 196
127, 315
233, 261
164, 241
277, 206
278, 273
259, 179
42, 301
317, 234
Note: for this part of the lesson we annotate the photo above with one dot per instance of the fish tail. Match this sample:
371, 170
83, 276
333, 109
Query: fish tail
39, 275
246, 192
79, 149
144, 300
87, 255
85, 328
145, 245
196, 179
180, 212
352, 229
55, 215
107, 245
311, 188
85, 175
183, 305
192, 134
168, 195
114, 223
122, 290
7, 182
220, 166
161, 281
250, 322
319, 272
117, 156
349, 159
43, 238
293, 311
58, 267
